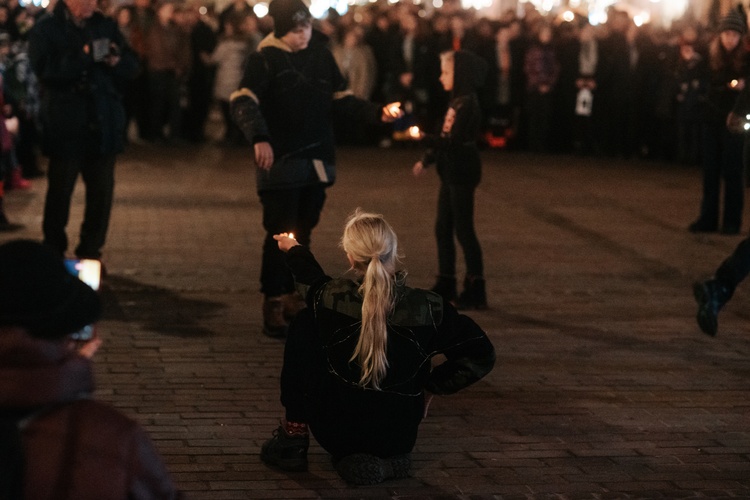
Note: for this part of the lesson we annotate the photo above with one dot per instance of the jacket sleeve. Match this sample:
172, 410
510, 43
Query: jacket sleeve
469, 354
308, 275
245, 102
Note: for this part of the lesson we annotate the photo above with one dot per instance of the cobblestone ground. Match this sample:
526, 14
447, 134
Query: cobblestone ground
604, 387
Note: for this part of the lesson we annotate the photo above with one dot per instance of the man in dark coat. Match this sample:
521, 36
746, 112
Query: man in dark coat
288, 95
81, 60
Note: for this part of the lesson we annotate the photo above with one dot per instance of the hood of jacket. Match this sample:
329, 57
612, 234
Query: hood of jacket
469, 73
36, 373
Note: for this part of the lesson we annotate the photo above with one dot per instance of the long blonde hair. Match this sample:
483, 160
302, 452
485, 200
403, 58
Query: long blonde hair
372, 245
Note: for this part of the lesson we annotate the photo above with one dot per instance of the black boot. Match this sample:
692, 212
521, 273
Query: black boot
445, 286
474, 295
711, 297
287, 452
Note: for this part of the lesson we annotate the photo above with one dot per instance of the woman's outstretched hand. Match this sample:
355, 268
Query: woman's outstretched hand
286, 241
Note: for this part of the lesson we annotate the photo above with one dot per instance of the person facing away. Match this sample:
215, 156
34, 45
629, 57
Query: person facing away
82, 61
56, 441
456, 154
288, 95
357, 359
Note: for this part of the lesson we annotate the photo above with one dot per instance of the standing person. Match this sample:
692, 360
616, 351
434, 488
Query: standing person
57, 441
456, 154
168, 60
357, 360
722, 148
200, 82
290, 89
81, 60
229, 58
542, 69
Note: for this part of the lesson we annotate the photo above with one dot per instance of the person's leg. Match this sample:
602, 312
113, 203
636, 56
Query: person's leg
62, 174
711, 295
733, 173
446, 246
99, 177
708, 220
287, 449
311, 201
280, 212
474, 295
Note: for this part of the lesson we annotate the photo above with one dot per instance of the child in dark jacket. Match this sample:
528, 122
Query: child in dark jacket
454, 150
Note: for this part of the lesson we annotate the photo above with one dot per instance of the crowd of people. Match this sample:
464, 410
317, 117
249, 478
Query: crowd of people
552, 86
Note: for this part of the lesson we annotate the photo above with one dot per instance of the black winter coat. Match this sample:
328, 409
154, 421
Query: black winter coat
81, 103
289, 100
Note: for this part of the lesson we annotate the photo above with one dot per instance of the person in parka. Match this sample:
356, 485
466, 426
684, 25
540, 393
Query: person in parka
81, 60
289, 94
456, 154
56, 440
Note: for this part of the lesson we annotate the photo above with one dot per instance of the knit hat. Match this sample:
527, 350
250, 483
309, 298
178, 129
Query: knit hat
38, 294
734, 21
287, 15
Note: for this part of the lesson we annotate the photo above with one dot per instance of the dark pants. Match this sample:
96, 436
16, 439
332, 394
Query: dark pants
164, 98
722, 160
98, 172
735, 268
455, 216
342, 419
287, 211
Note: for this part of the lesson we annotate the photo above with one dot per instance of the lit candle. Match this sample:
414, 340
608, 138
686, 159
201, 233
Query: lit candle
414, 132
734, 83
393, 108
291, 235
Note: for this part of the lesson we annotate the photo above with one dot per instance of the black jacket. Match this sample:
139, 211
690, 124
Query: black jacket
455, 149
289, 99
81, 102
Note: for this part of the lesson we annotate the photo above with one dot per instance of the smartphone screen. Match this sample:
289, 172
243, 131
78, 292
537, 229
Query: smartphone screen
90, 272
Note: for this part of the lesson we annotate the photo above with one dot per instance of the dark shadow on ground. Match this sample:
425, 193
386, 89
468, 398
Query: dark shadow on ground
156, 309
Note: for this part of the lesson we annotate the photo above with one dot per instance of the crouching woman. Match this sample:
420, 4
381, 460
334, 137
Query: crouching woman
357, 361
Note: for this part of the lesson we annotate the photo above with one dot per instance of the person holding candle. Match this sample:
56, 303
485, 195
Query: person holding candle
357, 360
454, 150
290, 90
728, 65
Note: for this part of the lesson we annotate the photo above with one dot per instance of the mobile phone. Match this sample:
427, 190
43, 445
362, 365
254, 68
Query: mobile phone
90, 272
100, 49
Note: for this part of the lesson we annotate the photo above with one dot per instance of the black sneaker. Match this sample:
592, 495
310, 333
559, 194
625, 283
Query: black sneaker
710, 296
363, 469
286, 452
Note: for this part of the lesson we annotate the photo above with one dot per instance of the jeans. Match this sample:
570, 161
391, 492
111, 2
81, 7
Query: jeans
98, 172
286, 211
455, 215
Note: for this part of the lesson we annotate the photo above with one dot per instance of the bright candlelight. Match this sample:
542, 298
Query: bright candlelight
393, 108
414, 132
291, 235
734, 83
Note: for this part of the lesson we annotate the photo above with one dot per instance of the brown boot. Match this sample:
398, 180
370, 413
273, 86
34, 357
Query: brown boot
274, 323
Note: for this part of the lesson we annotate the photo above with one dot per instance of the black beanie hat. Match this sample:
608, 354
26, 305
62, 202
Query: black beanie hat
38, 293
734, 21
287, 14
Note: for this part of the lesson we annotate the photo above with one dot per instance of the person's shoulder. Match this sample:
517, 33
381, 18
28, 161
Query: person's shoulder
417, 307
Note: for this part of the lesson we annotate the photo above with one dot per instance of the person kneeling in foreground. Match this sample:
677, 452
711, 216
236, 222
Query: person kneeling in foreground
357, 361
55, 440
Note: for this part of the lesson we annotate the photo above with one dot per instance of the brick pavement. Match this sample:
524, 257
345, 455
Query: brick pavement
604, 387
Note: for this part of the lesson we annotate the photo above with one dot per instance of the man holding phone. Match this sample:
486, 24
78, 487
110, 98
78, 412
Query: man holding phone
82, 62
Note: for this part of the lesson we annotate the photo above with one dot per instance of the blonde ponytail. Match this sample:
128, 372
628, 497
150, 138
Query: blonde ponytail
372, 245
